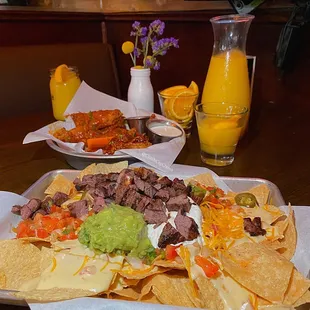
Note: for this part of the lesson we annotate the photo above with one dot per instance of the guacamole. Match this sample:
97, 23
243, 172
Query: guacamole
118, 230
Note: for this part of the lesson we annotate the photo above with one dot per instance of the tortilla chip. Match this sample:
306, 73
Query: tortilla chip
129, 293
141, 274
19, 262
204, 179
266, 213
36, 239
169, 264
261, 192
60, 184
304, 299
289, 241
150, 298
169, 289
209, 295
53, 294
103, 168
272, 244
298, 286
259, 269
2, 279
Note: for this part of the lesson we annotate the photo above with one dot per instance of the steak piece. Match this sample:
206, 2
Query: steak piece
16, 209
143, 173
120, 193
99, 204
130, 198
197, 199
156, 205
149, 190
179, 185
164, 181
254, 228
59, 198
139, 183
187, 227
178, 202
125, 177
46, 204
172, 192
155, 217
79, 208
163, 194
40, 211
152, 178
143, 203
113, 176
169, 235
110, 188
29, 208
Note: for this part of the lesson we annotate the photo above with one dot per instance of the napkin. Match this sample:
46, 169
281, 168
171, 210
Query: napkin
160, 156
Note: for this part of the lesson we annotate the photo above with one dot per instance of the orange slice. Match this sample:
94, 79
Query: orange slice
170, 91
63, 74
194, 87
181, 106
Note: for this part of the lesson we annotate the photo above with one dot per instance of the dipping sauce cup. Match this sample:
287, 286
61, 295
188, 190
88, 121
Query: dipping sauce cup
219, 129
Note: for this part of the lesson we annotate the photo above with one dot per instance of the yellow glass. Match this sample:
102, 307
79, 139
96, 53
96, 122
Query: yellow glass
219, 129
63, 92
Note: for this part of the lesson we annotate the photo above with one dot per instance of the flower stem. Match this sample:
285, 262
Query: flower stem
136, 44
147, 47
133, 60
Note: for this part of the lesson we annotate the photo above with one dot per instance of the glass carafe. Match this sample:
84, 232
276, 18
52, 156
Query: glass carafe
227, 80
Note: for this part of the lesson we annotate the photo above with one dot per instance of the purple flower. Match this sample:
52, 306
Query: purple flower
143, 41
136, 25
143, 31
137, 52
157, 65
157, 26
161, 46
148, 62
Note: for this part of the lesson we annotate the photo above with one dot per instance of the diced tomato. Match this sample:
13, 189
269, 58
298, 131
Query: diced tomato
69, 236
54, 209
171, 252
42, 233
24, 230
65, 214
49, 223
209, 268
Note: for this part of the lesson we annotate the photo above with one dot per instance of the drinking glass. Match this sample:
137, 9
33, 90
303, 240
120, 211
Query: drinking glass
179, 108
63, 91
219, 128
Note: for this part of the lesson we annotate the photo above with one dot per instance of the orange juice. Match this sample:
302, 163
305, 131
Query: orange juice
62, 91
218, 137
227, 79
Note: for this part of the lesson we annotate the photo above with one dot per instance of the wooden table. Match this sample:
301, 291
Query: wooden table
274, 148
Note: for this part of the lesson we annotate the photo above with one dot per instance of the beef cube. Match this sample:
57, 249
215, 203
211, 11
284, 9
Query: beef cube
143, 203
143, 173
169, 235
16, 209
79, 208
152, 178
120, 193
40, 211
187, 227
99, 204
29, 208
79, 185
165, 181
155, 217
197, 199
156, 205
113, 176
254, 228
59, 198
172, 192
110, 189
149, 190
163, 194
179, 185
46, 204
130, 198
139, 183
90, 180
125, 177
98, 191
178, 202
158, 186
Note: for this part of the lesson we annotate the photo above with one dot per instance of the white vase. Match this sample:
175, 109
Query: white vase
140, 90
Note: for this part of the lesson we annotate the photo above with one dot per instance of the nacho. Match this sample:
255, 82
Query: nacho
204, 179
2, 280
60, 184
129, 293
136, 274
169, 264
259, 269
261, 192
103, 168
19, 262
304, 299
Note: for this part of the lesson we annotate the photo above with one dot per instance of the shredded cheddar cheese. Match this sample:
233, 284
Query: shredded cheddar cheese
54, 264
86, 258
104, 266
